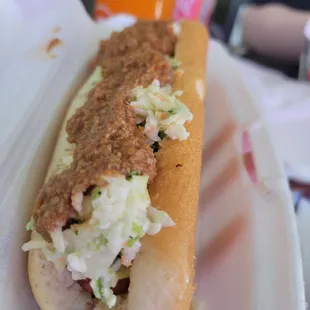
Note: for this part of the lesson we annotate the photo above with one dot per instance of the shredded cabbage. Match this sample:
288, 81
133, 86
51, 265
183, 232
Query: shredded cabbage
30, 225
102, 292
58, 239
57, 258
121, 215
173, 62
161, 111
36, 242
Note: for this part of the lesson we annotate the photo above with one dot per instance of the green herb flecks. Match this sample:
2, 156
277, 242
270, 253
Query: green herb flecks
131, 241
30, 224
131, 174
162, 135
98, 242
137, 229
173, 111
174, 63
96, 193
98, 289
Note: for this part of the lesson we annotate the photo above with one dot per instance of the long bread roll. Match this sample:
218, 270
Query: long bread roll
161, 275
169, 256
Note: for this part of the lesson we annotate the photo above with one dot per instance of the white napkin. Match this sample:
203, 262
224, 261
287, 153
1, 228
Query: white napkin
285, 104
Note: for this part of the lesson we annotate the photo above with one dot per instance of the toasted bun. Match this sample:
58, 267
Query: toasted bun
53, 289
162, 274
163, 271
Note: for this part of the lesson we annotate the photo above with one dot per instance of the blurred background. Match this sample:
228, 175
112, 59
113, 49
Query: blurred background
277, 42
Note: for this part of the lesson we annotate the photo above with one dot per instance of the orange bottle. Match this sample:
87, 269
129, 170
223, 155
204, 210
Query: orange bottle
145, 9
157, 9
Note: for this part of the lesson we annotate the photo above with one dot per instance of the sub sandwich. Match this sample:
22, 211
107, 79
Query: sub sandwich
114, 223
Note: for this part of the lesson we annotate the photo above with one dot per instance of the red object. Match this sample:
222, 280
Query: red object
85, 284
121, 287
248, 159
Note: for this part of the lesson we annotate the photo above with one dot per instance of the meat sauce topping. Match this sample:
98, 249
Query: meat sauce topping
104, 129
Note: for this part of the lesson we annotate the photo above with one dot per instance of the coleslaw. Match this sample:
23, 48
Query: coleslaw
162, 111
100, 247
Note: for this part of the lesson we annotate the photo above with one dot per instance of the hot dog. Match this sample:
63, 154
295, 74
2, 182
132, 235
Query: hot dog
114, 223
